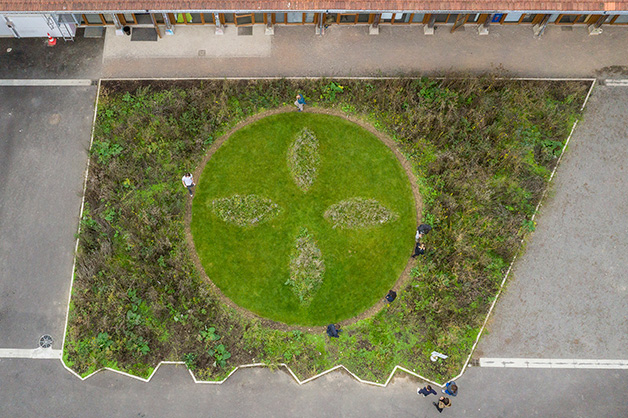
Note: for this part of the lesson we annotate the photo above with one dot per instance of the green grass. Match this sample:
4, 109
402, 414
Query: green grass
482, 150
251, 265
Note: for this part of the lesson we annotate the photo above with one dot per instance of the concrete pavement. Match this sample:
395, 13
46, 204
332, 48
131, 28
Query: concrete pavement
350, 51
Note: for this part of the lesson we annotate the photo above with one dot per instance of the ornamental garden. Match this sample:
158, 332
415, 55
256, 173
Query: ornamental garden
304, 219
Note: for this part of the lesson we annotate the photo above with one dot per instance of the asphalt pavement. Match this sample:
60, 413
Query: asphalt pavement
43, 151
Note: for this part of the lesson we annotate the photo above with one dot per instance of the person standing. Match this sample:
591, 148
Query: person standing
442, 403
419, 249
427, 390
300, 102
451, 389
188, 182
422, 230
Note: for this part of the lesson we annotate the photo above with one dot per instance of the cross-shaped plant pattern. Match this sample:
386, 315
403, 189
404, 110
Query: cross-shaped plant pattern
307, 265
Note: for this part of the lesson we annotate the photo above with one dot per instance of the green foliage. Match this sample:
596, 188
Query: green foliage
220, 354
190, 360
482, 149
329, 93
105, 151
208, 335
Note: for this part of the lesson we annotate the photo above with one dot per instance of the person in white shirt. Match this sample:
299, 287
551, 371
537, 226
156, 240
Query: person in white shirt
188, 182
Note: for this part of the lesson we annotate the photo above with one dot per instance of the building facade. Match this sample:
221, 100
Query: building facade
36, 19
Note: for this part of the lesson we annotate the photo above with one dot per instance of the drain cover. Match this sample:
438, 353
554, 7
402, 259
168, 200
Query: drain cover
46, 341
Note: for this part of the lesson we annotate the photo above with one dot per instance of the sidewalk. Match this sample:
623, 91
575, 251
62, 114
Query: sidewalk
351, 51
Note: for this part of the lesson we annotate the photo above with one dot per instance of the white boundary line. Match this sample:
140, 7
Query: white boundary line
536, 210
333, 78
30, 353
42, 82
613, 82
67, 313
340, 366
536, 363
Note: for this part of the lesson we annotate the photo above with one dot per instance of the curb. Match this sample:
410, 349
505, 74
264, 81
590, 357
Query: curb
340, 366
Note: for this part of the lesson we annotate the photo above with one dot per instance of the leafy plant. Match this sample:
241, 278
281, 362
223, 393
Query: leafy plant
220, 354
208, 335
190, 360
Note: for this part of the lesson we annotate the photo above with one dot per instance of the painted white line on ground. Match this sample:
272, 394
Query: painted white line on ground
67, 312
44, 83
512, 263
616, 82
30, 353
532, 363
329, 77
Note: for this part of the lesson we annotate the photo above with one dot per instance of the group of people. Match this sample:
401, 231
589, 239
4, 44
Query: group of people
450, 389
419, 247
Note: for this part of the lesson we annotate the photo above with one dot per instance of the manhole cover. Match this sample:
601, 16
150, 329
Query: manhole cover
46, 341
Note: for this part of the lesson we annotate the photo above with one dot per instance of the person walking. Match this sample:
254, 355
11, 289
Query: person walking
442, 403
391, 296
300, 102
427, 390
451, 389
188, 182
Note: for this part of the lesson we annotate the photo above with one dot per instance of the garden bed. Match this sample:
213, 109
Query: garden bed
482, 151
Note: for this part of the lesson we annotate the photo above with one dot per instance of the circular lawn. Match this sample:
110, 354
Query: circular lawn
303, 218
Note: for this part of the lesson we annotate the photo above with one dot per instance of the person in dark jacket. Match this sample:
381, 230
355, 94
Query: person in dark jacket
422, 230
391, 296
333, 330
419, 249
427, 390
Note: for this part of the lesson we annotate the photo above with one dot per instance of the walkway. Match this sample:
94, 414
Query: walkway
350, 51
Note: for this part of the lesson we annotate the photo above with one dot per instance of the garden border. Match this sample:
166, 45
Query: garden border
404, 277
340, 366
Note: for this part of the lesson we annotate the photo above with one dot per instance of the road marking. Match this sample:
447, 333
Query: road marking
538, 363
32, 353
44, 82
616, 82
